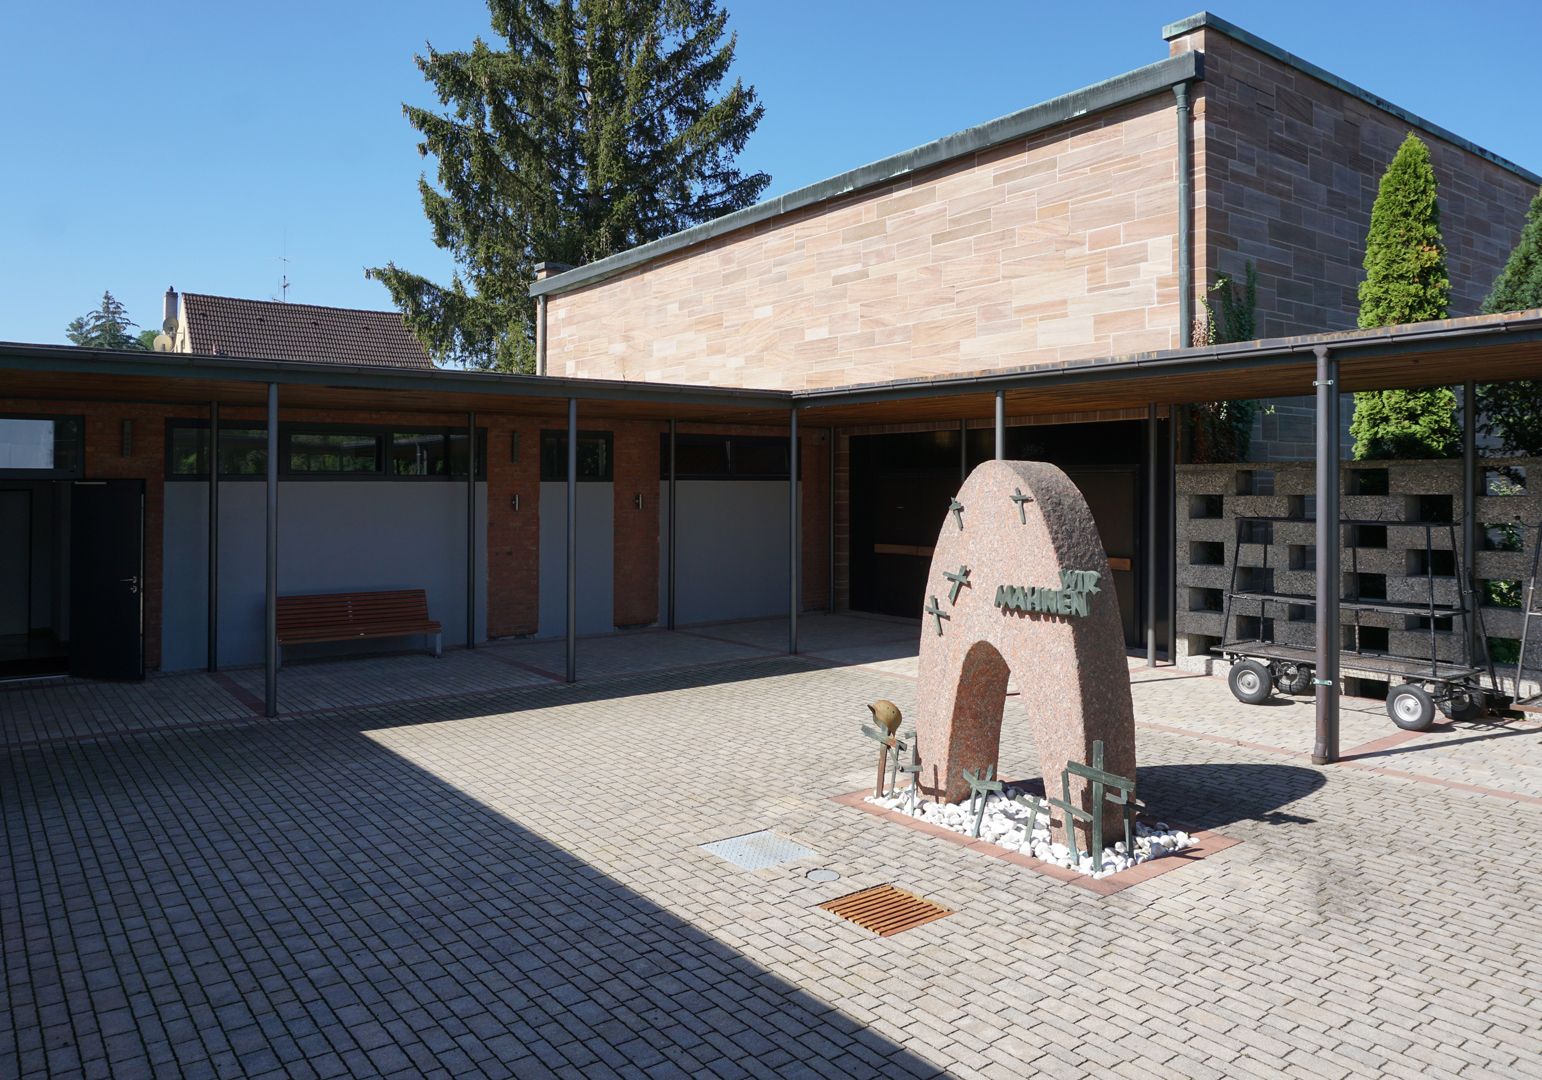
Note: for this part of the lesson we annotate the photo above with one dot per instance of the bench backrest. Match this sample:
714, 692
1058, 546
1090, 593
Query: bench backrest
352, 609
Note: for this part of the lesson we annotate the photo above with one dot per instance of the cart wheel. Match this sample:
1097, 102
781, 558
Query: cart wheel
1249, 681
1411, 708
1461, 705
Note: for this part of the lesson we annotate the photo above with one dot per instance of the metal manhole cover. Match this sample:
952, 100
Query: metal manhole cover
758, 850
885, 910
821, 874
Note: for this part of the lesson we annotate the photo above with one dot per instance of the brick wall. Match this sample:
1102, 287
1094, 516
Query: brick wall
635, 590
1288, 168
1043, 250
513, 536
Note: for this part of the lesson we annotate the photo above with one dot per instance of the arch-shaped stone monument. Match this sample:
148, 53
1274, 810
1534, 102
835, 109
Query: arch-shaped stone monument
1020, 584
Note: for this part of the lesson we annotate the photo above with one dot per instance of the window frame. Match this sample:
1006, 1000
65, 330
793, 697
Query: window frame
384, 434
559, 435
55, 473
729, 441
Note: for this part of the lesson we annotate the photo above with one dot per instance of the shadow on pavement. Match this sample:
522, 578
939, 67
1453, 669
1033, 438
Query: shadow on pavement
288, 897
1212, 796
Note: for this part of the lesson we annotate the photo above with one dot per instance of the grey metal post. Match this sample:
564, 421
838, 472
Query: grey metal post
1152, 449
1469, 582
1001, 425
572, 623
214, 536
963, 451
673, 517
471, 530
1326, 677
270, 635
793, 546
1185, 218
540, 335
834, 439
1173, 413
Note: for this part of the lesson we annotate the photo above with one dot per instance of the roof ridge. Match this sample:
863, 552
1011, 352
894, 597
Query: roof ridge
289, 304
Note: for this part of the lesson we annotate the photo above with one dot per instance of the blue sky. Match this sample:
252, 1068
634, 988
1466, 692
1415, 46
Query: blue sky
193, 144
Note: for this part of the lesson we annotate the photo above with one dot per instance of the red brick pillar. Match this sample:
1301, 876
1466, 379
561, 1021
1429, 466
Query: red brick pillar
636, 531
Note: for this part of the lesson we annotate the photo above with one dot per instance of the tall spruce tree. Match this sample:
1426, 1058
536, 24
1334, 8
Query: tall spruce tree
1405, 281
594, 128
1510, 411
108, 327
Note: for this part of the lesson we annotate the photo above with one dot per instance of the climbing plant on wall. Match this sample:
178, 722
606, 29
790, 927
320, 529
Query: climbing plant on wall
1223, 430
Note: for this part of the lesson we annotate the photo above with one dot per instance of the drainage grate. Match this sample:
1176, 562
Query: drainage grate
758, 850
885, 910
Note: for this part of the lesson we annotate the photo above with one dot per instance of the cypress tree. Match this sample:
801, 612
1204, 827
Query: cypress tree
593, 128
1405, 281
1509, 411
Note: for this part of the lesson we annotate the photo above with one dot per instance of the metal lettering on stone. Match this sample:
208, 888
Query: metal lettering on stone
1071, 598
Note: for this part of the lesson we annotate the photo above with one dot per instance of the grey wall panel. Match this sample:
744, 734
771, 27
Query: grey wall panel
596, 559
732, 552
333, 537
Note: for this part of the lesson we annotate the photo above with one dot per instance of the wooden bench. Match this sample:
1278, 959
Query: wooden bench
355, 617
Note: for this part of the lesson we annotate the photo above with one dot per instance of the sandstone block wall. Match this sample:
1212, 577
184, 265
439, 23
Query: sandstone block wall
1043, 250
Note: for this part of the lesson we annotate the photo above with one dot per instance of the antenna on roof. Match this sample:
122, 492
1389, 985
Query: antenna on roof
283, 277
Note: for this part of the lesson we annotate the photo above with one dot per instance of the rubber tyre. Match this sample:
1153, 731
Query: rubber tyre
1250, 682
1411, 708
1461, 706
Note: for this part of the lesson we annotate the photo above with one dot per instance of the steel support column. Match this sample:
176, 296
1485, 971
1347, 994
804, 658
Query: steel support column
1469, 582
1174, 412
214, 537
793, 546
673, 517
471, 530
834, 439
1326, 748
1001, 425
963, 452
1153, 448
1185, 217
270, 621
572, 599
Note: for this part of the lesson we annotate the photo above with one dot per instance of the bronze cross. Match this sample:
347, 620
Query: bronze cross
1022, 500
956, 508
938, 614
959, 580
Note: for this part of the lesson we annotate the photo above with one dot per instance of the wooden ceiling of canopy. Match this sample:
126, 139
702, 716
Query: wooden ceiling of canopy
1283, 370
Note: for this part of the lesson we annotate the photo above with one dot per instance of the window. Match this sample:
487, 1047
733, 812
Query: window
332, 452
594, 456
40, 447
725, 457
322, 452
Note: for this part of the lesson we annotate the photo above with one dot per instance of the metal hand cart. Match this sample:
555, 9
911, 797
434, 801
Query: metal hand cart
1261, 666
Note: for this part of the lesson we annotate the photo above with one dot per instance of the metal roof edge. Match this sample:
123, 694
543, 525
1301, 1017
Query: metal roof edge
1205, 20
1407, 337
1132, 86
73, 359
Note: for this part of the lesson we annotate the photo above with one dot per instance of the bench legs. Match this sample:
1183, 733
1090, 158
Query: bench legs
438, 645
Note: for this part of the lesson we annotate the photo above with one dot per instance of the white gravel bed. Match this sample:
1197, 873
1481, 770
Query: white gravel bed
1006, 822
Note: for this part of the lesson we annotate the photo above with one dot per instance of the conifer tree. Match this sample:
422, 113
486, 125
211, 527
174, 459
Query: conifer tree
105, 328
1405, 281
1512, 411
591, 128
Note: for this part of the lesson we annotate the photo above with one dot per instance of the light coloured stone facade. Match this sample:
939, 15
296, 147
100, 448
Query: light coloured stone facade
1055, 248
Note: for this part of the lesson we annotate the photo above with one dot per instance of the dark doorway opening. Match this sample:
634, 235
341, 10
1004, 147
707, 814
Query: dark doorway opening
34, 578
901, 484
107, 579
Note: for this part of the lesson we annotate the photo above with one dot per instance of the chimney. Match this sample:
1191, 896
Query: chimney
169, 310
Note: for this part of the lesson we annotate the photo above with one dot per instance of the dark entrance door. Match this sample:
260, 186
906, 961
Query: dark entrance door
1113, 495
107, 638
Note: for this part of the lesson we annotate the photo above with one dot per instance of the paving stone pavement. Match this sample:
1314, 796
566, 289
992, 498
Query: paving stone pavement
510, 883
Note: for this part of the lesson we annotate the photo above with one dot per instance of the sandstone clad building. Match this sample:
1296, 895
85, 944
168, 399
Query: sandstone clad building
1049, 263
